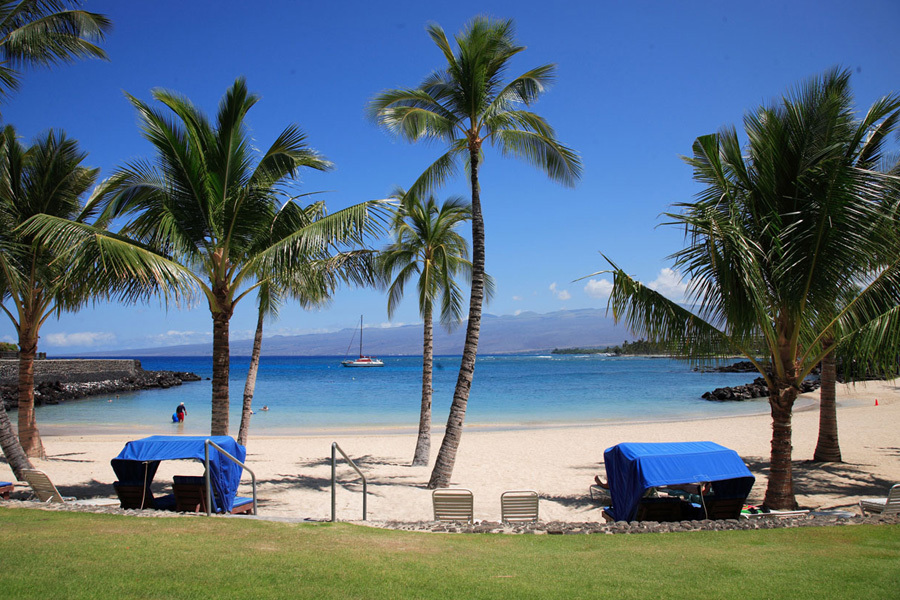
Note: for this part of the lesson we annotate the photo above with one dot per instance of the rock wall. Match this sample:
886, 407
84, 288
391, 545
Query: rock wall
72, 370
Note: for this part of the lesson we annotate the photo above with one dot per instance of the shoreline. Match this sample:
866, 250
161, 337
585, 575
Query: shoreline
558, 462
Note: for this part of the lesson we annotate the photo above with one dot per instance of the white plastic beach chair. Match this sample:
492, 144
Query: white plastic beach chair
453, 505
519, 506
46, 492
42, 486
884, 506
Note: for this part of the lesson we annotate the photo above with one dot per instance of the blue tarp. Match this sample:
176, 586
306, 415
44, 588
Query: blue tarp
140, 459
632, 469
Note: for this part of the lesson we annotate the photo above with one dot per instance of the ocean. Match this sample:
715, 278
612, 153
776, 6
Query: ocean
312, 394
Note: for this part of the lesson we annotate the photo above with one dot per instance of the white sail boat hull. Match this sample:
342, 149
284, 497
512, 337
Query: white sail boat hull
362, 361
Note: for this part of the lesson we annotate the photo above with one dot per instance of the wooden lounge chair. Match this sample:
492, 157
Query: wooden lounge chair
723, 508
453, 505
6, 489
519, 506
42, 486
883, 506
190, 496
136, 495
660, 510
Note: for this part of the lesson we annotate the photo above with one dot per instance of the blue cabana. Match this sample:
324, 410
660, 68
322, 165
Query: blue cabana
139, 460
632, 469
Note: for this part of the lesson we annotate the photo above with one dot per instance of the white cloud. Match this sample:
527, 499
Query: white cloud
81, 338
598, 288
669, 283
517, 298
518, 312
560, 294
176, 338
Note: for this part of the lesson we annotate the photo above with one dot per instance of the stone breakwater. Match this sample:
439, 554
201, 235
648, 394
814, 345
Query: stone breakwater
62, 380
757, 389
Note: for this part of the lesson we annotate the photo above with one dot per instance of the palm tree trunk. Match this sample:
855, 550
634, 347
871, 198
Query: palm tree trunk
423, 443
828, 449
29, 436
221, 357
780, 490
250, 386
12, 449
446, 459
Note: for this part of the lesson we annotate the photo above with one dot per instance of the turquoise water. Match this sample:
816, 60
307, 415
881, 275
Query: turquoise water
306, 394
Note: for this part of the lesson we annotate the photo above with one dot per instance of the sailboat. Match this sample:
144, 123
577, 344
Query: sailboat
362, 361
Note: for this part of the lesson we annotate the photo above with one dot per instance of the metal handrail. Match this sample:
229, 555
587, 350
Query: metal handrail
334, 446
207, 481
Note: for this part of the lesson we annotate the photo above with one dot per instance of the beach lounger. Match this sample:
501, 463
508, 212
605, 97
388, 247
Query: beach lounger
6, 489
190, 496
883, 506
453, 505
135, 495
42, 487
519, 506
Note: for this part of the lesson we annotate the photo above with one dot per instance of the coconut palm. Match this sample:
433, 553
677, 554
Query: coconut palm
783, 229
467, 104
45, 178
208, 210
45, 33
311, 282
428, 249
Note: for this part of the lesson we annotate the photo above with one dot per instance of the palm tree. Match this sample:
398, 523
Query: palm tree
46, 178
784, 228
311, 282
40, 33
428, 248
44, 33
466, 104
205, 212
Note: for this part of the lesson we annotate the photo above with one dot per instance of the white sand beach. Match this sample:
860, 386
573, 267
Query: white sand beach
558, 462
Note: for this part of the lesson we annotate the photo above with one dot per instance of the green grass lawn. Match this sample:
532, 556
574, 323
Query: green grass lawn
46, 554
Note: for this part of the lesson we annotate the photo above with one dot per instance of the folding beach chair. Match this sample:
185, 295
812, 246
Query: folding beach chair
884, 506
453, 505
519, 506
6, 489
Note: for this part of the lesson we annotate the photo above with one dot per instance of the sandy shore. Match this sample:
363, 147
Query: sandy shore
294, 473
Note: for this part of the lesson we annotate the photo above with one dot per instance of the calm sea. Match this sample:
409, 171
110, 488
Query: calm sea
306, 394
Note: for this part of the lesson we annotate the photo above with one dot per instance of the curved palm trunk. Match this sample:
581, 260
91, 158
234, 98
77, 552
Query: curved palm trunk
29, 436
12, 449
446, 459
828, 449
250, 386
221, 358
423, 443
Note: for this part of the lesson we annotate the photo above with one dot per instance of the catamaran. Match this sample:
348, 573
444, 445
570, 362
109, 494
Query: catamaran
362, 361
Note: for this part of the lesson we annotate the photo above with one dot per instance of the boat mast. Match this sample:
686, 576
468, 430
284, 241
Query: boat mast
360, 335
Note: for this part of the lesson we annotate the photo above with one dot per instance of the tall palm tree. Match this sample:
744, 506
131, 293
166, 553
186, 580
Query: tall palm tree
784, 228
40, 33
45, 178
207, 210
45, 33
311, 282
428, 248
466, 104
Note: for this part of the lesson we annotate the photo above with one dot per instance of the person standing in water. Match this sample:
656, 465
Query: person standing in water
181, 412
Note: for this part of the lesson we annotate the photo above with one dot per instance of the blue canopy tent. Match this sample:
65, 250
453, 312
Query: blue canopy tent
632, 469
139, 460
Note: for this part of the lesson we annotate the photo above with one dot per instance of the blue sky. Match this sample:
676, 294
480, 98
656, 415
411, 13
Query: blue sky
637, 83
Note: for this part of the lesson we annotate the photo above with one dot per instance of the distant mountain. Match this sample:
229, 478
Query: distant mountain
523, 333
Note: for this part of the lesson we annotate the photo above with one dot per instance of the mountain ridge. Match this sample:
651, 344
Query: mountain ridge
526, 332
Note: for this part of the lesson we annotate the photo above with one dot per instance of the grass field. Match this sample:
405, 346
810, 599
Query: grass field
48, 554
